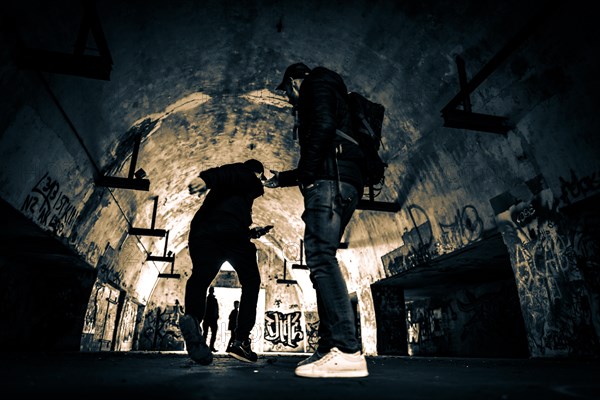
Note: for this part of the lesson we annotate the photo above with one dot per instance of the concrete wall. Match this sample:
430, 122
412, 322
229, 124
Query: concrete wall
196, 80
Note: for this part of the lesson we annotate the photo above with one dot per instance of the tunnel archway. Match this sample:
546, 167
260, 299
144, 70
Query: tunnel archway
196, 83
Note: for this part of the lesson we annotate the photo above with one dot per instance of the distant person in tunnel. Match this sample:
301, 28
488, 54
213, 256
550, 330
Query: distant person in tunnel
330, 177
211, 318
233, 323
220, 231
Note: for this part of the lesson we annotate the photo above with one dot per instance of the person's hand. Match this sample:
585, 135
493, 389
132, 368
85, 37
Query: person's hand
259, 231
273, 181
197, 186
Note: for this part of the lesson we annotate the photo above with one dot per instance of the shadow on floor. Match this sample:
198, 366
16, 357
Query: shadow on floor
173, 376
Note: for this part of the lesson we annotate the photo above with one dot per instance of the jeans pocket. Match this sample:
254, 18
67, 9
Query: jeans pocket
312, 188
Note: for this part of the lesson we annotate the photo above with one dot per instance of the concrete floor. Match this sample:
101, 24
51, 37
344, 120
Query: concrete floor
173, 376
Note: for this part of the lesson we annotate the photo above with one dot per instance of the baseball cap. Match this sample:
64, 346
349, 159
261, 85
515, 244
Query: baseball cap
256, 166
295, 71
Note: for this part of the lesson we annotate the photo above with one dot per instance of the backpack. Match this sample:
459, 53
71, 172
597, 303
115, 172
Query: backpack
367, 121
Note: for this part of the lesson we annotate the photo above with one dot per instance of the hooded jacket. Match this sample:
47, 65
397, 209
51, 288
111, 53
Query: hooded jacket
227, 208
323, 108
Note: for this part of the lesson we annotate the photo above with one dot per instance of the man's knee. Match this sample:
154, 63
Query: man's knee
251, 282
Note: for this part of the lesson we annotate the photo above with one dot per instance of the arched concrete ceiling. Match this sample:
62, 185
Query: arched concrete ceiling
198, 78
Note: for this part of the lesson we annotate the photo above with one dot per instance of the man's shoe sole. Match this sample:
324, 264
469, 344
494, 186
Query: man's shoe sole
197, 348
333, 374
241, 358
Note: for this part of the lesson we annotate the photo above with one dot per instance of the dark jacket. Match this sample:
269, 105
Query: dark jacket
211, 313
322, 108
232, 319
227, 208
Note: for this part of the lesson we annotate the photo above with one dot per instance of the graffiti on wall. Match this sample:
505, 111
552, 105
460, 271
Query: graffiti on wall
551, 257
49, 206
127, 326
465, 228
161, 329
283, 329
474, 321
575, 188
107, 270
100, 318
420, 245
311, 321
424, 326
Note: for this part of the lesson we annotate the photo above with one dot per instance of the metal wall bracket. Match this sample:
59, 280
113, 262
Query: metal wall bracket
465, 118
79, 64
371, 205
285, 280
149, 231
166, 257
301, 265
135, 179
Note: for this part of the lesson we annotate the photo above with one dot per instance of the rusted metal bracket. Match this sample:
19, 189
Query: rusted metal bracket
78, 63
301, 265
285, 280
465, 118
149, 231
135, 179
166, 257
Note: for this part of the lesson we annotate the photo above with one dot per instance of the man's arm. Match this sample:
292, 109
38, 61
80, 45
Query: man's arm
197, 186
320, 132
282, 179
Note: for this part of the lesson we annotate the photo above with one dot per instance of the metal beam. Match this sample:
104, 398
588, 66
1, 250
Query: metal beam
497, 59
465, 119
78, 64
476, 122
151, 231
123, 183
83, 65
131, 182
301, 265
147, 232
370, 205
285, 280
160, 258
176, 276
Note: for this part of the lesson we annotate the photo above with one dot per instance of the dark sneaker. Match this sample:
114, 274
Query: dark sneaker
242, 351
314, 357
195, 343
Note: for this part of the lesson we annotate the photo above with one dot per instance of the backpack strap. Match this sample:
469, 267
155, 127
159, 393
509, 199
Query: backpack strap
367, 125
346, 136
337, 169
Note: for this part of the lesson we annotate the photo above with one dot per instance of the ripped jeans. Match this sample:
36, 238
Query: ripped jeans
328, 208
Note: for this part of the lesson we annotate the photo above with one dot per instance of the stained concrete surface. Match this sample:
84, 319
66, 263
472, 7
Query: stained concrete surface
145, 375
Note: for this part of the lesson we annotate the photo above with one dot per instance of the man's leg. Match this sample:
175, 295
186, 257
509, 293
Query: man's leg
206, 261
243, 259
213, 335
325, 219
327, 211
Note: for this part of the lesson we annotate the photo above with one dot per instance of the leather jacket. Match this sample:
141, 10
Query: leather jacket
322, 109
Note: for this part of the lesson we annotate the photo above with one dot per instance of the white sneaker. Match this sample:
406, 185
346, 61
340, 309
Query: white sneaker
335, 364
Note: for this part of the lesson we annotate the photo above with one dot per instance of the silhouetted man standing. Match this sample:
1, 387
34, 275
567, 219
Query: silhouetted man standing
211, 318
233, 322
220, 231
330, 177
